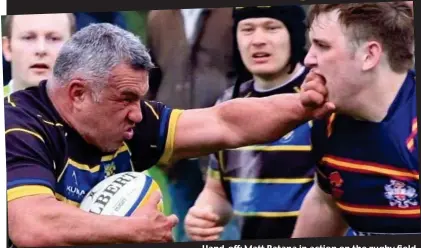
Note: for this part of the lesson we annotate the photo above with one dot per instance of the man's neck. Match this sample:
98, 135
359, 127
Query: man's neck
373, 103
17, 85
277, 80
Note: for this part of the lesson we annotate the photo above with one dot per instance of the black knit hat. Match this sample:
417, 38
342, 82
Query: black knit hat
292, 16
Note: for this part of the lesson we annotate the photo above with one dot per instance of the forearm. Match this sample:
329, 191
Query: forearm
236, 123
261, 120
319, 217
57, 224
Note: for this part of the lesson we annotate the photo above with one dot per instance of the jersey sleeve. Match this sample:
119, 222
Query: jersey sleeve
214, 167
29, 162
318, 139
154, 135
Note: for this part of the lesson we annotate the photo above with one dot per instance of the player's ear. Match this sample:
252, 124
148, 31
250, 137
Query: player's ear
77, 93
371, 55
7, 51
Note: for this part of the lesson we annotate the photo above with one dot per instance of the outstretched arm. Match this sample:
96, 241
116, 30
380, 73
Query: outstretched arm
248, 121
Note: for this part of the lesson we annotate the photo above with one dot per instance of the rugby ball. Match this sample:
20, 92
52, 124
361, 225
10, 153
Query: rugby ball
120, 194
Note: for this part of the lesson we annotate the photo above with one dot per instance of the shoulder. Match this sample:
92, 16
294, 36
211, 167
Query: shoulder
25, 113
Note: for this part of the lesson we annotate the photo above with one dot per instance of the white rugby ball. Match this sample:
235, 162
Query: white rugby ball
120, 194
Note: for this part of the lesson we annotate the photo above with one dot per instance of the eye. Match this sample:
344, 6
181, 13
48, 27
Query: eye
321, 45
28, 37
273, 28
246, 29
55, 38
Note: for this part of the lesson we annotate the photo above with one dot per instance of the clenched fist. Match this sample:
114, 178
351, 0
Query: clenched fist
314, 95
201, 224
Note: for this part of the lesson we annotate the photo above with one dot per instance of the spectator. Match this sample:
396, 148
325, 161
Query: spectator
31, 45
263, 186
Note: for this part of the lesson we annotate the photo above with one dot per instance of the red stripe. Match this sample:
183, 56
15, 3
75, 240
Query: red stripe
385, 215
403, 178
378, 207
362, 163
365, 207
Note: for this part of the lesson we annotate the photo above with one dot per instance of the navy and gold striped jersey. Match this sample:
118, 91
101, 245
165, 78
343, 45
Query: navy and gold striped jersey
266, 183
46, 156
371, 169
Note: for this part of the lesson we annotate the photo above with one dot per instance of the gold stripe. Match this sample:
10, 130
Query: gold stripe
296, 89
27, 190
25, 131
169, 144
128, 149
154, 187
67, 201
370, 168
53, 124
275, 148
221, 159
270, 180
378, 211
123, 148
84, 167
268, 214
310, 123
214, 174
9, 100
62, 172
153, 110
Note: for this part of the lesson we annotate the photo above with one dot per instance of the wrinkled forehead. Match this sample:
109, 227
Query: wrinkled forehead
39, 23
124, 76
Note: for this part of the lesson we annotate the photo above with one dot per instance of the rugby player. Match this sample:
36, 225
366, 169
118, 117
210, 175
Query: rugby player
264, 185
368, 174
89, 122
31, 45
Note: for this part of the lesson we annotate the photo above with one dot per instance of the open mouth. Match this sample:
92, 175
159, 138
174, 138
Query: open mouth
260, 55
128, 134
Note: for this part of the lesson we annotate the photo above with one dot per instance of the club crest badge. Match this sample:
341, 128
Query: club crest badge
400, 194
336, 182
109, 169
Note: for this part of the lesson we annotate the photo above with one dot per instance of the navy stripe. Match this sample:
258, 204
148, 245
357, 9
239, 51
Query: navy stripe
268, 197
146, 187
163, 128
24, 182
251, 164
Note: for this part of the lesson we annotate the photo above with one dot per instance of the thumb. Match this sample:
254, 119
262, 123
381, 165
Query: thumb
325, 110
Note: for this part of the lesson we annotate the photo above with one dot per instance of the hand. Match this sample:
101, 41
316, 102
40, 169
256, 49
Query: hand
313, 96
201, 224
150, 225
